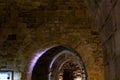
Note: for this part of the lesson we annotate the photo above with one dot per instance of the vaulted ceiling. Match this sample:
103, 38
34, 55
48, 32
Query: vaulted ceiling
21, 19
28, 25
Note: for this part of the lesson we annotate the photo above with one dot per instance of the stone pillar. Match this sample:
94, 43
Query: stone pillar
117, 39
108, 17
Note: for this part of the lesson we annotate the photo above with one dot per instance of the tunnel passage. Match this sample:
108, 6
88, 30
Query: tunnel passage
58, 63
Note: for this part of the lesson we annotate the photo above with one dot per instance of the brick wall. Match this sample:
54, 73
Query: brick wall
26, 27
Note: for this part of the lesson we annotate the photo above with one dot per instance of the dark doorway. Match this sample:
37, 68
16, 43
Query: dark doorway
48, 64
68, 74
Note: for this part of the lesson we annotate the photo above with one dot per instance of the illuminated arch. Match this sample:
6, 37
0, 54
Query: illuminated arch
53, 53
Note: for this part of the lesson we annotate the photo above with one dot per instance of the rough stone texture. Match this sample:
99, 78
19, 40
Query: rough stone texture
108, 21
27, 26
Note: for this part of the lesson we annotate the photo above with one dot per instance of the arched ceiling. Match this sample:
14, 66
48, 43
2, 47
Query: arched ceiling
28, 25
20, 19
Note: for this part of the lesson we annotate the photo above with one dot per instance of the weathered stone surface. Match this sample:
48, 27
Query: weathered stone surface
28, 26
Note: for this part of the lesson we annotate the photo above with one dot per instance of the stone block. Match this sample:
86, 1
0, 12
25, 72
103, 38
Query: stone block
98, 17
117, 42
109, 52
108, 28
118, 68
106, 7
117, 14
109, 59
110, 71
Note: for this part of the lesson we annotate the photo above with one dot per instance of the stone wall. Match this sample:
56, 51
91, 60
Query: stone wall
26, 27
107, 17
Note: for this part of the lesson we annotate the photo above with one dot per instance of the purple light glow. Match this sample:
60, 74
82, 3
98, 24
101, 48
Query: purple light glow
34, 60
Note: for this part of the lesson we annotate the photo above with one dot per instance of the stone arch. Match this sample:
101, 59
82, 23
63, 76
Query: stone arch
46, 60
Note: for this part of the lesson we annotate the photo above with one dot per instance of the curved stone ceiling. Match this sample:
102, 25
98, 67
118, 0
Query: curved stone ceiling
26, 26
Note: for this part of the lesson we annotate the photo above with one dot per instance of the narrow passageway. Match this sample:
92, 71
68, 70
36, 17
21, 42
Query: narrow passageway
59, 63
28, 29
